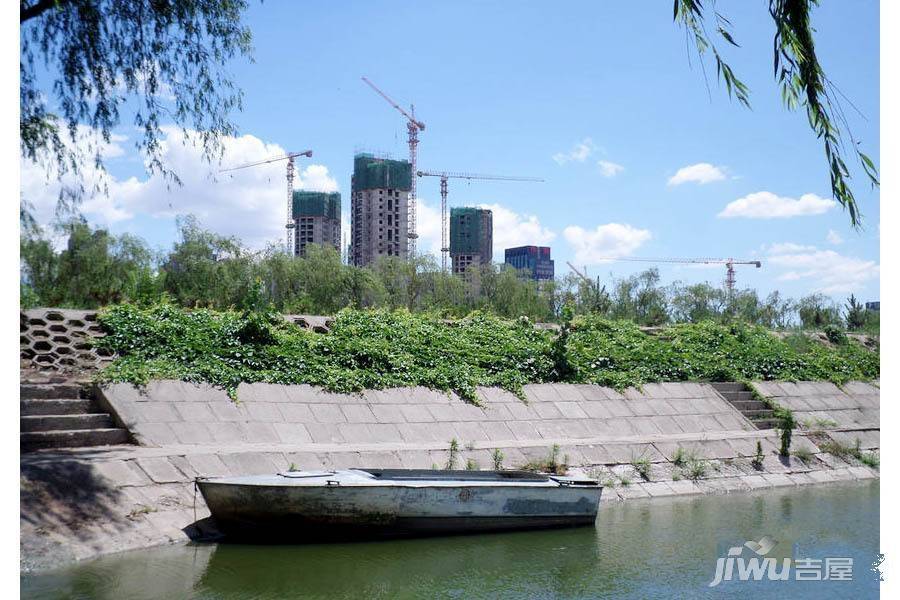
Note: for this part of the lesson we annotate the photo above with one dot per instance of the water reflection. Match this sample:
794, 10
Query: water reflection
657, 549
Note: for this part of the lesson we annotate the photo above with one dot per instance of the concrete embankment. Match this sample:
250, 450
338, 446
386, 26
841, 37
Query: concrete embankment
666, 439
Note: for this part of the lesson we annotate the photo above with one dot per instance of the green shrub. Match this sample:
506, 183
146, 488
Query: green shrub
757, 461
452, 455
786, 425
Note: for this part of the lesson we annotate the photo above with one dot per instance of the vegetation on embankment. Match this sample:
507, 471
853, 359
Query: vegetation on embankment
381, 348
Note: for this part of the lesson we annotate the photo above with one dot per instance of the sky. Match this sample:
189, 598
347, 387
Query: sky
605, 101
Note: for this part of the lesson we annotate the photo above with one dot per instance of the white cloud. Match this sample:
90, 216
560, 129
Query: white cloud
834, 237
827, 271
249, 203
612, 240
766, 205
699, 173
579, 152
609, 169
512, 229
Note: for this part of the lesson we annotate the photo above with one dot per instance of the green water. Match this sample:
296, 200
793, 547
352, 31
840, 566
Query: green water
639, 549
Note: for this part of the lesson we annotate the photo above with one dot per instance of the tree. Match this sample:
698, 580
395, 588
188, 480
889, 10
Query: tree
817, 311
801, 77
102, 55
855, 316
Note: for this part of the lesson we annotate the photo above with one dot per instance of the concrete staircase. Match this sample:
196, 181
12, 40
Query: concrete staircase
59, 415
740, 396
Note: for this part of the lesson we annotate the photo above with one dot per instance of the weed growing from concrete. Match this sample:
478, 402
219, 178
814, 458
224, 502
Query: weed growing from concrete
497, 458
844, 451
643, 466
551, 464
471, 464
452, 455
697, 469
804, 455
757, 461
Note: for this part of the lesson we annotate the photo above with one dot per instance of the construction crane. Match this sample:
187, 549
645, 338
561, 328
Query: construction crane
289, 157
730, 278
413, 126
444, 176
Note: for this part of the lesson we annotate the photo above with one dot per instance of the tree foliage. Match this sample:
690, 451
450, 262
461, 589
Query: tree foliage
85, 62
203, 269
800, 76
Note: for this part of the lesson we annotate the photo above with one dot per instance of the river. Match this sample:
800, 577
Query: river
666, 548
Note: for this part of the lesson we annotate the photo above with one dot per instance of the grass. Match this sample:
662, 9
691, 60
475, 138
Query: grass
804, 455
550, 464
643, 466
471, 464
844, 451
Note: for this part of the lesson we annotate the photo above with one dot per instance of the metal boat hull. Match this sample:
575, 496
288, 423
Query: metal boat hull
297, 513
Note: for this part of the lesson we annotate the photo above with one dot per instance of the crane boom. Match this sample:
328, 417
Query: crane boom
730, 277
458, 175
289, 157
390, 101
446, 175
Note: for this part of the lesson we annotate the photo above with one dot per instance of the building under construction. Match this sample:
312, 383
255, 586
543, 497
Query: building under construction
534, 259
317, 220
471, 237
379, 208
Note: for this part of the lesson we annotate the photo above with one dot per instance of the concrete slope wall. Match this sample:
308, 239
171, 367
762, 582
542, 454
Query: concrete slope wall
172, 412
849, 412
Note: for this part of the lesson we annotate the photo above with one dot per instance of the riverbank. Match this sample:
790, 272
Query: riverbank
661, 441
642, 548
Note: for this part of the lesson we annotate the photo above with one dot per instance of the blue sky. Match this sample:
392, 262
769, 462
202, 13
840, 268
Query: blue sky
603, 100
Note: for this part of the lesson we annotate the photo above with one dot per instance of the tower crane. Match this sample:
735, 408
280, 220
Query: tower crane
289, 157
730, 278
444, 176
413, 126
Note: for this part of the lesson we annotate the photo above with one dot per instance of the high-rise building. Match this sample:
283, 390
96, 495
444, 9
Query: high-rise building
535, 259
471, 237
317, 220
378, 208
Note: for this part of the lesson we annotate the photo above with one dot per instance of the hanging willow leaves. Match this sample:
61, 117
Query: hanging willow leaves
802, 81
84, 61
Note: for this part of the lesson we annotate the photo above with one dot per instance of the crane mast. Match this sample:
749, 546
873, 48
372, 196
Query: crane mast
289, 157
444, 176
413, 126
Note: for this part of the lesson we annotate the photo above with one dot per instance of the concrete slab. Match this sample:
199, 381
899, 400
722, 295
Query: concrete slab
358, 413
160, 470
121, 473
292, 433
327, 413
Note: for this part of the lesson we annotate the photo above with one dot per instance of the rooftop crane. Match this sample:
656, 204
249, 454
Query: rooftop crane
729, 263
445, 175
413, 126
289, 157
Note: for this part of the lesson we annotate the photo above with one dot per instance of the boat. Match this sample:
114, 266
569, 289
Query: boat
297, 506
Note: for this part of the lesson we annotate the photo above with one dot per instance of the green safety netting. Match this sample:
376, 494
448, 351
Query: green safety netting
317, 204
371, 173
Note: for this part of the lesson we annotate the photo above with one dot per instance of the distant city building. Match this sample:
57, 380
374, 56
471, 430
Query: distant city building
378, 208
874, 306
317, 220
535, 259
471, 237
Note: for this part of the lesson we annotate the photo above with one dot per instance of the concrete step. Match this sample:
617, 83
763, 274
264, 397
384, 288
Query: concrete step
55, 406
729, 386
743, 405
765, 423
78, 438
33, 391
65, 422
755, 415
740, 396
